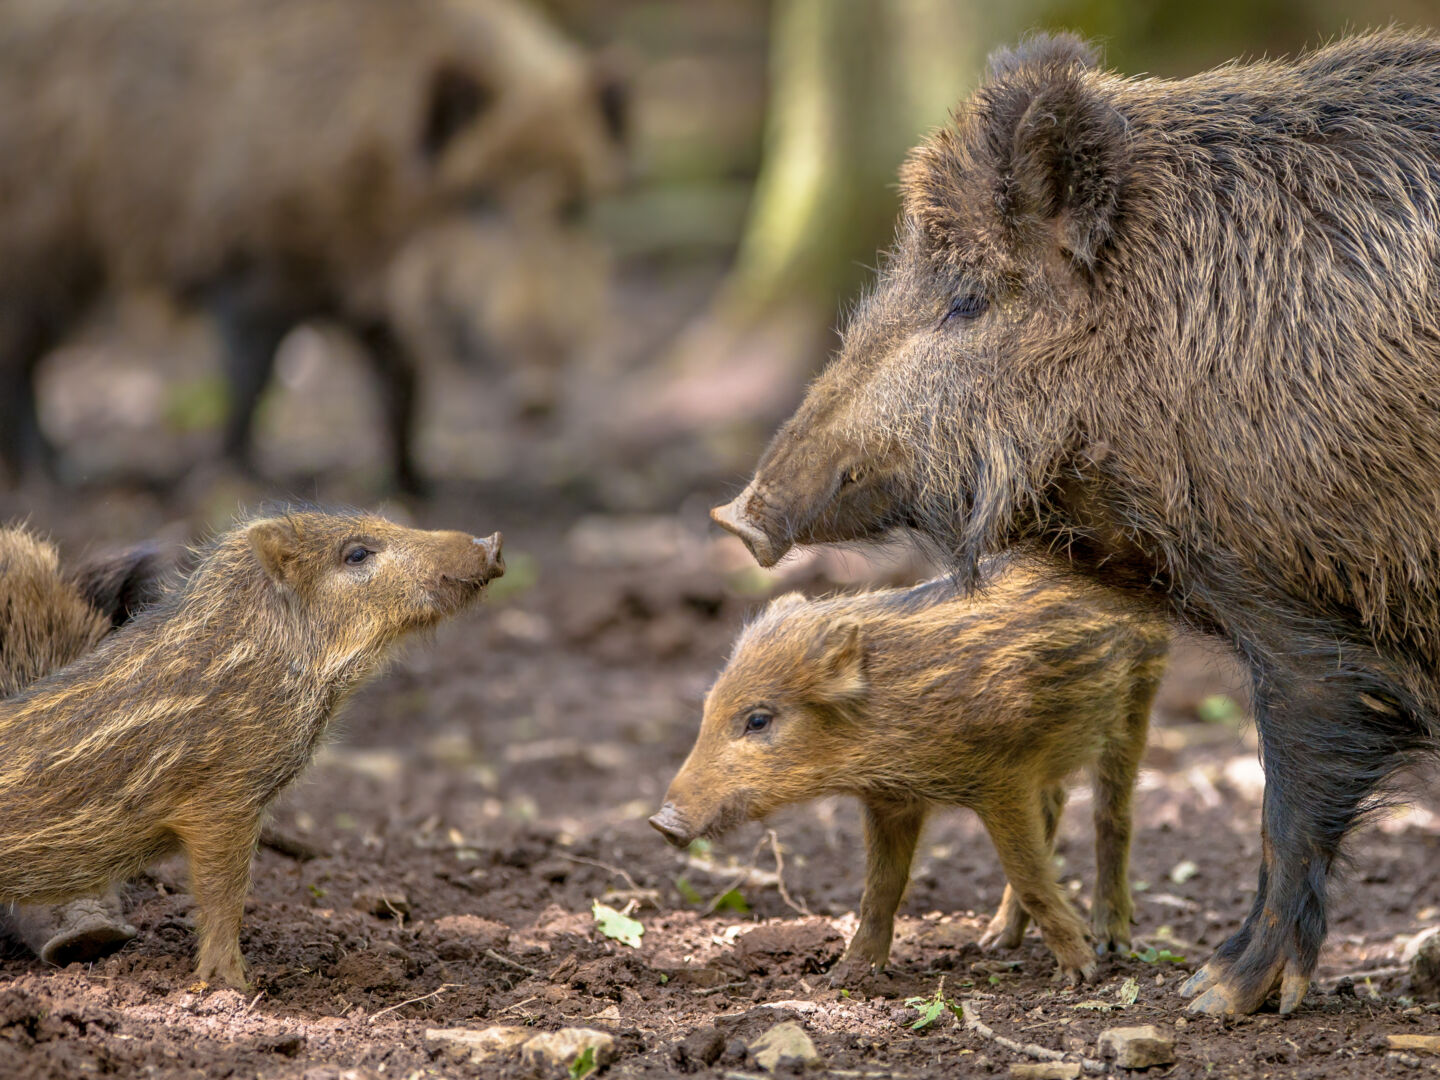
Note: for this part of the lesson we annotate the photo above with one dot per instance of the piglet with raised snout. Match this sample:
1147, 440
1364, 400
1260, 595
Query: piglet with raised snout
910, 699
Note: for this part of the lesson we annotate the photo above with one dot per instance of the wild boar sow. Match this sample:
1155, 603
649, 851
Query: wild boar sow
909, 699
191, 718
1188, 332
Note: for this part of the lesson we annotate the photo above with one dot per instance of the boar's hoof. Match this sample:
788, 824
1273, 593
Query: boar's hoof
1201, 981
670, 823
1225, 996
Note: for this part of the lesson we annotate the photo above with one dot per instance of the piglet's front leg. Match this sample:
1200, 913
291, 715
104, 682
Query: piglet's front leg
891, 833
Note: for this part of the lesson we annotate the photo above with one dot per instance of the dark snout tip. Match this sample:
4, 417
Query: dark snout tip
494, 560
730, 518
669, 824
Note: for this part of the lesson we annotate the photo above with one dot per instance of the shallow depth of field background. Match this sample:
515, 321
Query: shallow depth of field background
497, 781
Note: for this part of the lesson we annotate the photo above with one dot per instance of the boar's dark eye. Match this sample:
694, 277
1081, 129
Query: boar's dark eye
757, 721
356, 555
969, 306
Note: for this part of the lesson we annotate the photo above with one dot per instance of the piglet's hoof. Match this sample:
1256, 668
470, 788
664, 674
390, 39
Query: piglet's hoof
80, 931
1001, 934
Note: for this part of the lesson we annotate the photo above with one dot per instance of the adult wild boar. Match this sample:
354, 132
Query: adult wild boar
265, 159
1188, 332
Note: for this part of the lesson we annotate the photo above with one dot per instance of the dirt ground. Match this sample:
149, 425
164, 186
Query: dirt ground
445, 852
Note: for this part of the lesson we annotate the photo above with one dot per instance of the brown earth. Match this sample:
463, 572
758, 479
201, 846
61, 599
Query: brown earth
482, 795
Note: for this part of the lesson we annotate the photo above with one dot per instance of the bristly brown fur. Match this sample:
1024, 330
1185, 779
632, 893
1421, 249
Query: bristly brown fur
1198, 353
183, 726
910, 699
45, 621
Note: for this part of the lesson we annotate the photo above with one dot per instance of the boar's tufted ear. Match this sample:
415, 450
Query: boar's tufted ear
840, 662
1068, 159
277, 545
119, 584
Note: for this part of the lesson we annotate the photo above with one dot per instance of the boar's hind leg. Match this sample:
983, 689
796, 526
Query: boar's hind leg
1330, 736
1113, 909
1007, 928
396, 369
1017, 829
23, 342
219, 853
891, 832
251, 331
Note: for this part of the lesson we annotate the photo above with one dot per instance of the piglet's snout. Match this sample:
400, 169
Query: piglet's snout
494, 560
671, 824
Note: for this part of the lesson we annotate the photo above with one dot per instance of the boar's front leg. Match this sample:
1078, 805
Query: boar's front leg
892, 830
1007, 928
1016, 826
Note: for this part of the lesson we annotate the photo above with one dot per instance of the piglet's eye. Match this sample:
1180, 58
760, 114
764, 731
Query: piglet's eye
357, 555
968, 306
757, 721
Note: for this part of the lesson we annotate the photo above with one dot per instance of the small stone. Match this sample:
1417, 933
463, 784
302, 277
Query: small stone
784, 1043
382, 903
1046, 1070
478, 1044
1137, 1047
557, 1050
1422, 957
1425, 1044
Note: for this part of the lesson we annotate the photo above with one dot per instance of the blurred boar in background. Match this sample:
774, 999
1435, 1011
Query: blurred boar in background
265, 160
516, 295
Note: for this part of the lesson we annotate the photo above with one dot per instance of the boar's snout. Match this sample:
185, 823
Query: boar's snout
670, 824
734, 517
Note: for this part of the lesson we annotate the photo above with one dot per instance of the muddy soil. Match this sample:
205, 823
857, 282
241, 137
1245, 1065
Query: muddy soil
441, 860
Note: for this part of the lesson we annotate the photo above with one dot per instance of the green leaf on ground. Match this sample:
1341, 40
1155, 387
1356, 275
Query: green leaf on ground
583, 1065
1129, 991
932, 1008
733, 901
618, 926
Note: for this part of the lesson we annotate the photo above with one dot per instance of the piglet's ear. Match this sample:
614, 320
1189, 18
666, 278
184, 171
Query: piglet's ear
840, 663
1068, 158
277, 545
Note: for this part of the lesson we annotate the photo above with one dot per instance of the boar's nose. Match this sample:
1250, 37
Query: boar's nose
494, 560
670, 824
733, 518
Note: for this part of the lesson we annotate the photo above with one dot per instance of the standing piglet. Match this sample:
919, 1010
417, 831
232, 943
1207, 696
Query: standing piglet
909, 699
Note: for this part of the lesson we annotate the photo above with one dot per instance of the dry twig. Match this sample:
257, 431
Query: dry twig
798, 907
499, 959
603, 866
425, 997
974, 1024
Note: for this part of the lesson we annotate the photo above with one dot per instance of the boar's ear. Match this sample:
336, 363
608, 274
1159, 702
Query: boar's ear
1068, 158
120, 584
277, 545
454, 99
840, 662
